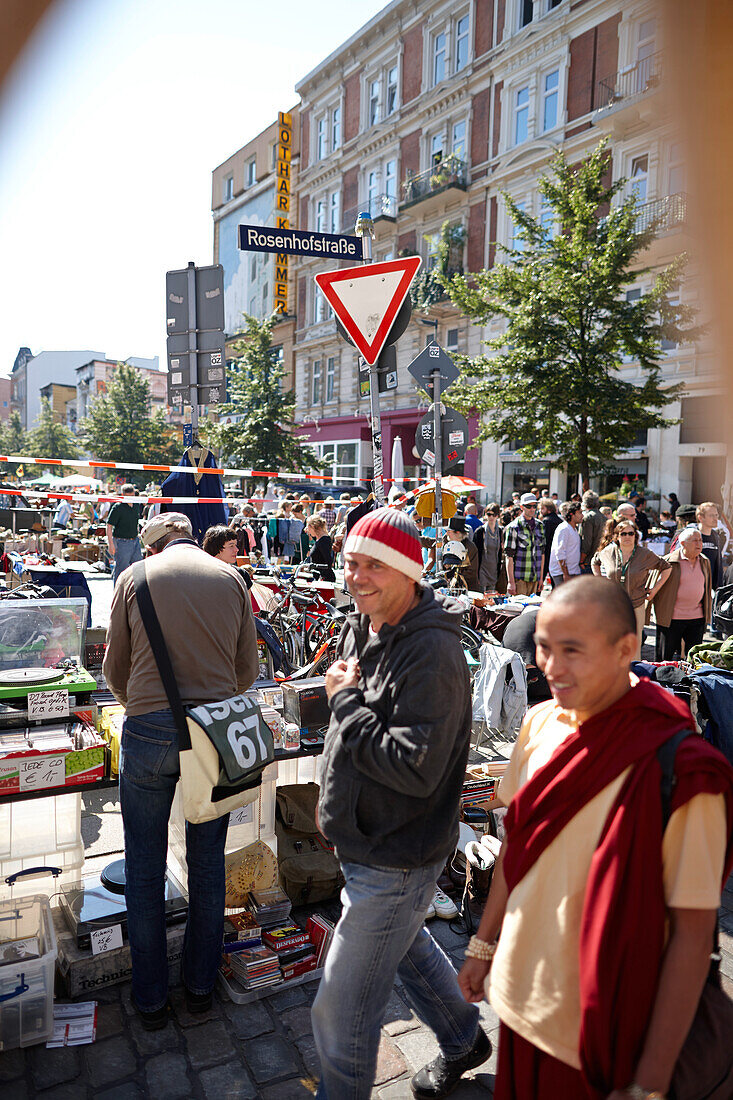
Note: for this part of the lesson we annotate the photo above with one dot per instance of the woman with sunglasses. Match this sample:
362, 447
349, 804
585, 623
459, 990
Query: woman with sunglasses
621, 558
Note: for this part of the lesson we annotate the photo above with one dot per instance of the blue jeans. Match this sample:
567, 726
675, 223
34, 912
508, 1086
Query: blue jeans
149, 772
380, 935
127, 552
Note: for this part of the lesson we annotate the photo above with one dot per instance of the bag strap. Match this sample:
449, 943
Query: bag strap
666, 754
153, 630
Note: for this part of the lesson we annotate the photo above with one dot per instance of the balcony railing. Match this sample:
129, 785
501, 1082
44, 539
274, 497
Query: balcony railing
449, 172
669, 212
379, 206
643, 77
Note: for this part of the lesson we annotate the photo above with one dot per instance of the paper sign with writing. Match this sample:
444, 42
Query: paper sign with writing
48, 704
37, 772
106, 939
243, 816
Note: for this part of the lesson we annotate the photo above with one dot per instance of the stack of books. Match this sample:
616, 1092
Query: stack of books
320, 932
269, 907
293, 947
253, 967
241, 931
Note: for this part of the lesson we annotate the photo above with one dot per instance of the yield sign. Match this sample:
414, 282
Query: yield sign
367, 299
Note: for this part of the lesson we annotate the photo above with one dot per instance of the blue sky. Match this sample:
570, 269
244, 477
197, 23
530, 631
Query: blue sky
110, 125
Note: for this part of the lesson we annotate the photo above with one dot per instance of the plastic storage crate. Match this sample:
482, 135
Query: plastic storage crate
40, 825
26, 983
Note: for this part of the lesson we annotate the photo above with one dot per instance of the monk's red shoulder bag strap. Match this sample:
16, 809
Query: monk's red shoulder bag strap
704, 1069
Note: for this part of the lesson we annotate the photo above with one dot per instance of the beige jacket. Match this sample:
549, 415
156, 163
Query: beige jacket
666, 597
637, 581
207, 622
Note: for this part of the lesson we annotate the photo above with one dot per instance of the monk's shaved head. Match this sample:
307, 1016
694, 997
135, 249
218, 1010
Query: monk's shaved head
606, 601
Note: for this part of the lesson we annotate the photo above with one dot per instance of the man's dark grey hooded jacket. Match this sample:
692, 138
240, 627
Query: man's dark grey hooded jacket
397, 746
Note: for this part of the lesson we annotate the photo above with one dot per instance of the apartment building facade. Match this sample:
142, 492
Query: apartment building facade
93, 378
245, 191
425, 117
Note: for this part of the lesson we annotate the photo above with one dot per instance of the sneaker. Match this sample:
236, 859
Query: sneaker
430, 913
153, 1021
443, 906
441, 1076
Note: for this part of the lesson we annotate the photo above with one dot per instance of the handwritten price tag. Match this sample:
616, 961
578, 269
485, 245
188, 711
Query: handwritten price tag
243, 816
48, 704
106, 939
35, 773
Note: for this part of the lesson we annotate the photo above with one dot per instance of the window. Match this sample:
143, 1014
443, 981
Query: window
547, 218
550, 96
525, 13
432, 240
265, 291
251, 176
341, 460
461, 43
553, 4
273, 163
321, 216
458, 146
391, 102
677, 174
335, 212
451, 340
436, 150
330, 378
671, 345
639, 178
390, 178
439, 58
321, 139
373, 102
253, 269
521, 115
316, 380
227, 191
335, 128
372, 188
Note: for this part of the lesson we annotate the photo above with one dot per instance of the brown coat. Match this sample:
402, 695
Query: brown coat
666, 597
637, 582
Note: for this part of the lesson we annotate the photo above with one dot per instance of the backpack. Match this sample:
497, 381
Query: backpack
309, 869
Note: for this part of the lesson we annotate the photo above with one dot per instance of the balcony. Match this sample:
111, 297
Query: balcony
379, 207
449, 172
669, 212
628, 85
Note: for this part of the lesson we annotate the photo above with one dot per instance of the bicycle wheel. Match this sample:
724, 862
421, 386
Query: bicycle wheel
320, 631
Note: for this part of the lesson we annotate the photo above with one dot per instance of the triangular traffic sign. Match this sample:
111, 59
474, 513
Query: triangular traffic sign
367, 299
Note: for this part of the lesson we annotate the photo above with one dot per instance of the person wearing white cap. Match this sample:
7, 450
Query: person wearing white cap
524, 549
207, 624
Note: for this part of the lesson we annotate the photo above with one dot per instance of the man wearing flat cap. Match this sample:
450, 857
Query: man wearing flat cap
207, 623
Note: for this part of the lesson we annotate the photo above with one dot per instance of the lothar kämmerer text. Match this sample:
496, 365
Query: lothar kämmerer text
257, 238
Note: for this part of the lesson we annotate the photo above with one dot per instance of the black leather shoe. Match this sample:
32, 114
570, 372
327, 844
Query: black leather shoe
153, 1021
441, 1076
198, 1002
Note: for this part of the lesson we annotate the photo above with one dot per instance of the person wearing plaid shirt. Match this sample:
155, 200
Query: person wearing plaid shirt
524, 549
328, 512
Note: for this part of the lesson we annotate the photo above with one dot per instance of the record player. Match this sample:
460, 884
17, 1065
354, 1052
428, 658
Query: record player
41, 647
100, 902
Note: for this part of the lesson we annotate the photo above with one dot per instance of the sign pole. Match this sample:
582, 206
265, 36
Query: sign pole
438, 448
365, 229
192, 347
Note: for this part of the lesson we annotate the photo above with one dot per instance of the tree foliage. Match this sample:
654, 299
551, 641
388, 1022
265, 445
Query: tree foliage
553, 380
428, 287
120, 425
263, 439
13, 436
48, 438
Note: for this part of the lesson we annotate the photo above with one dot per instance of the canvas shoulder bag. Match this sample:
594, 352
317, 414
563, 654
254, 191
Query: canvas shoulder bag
223, 747
704, 1069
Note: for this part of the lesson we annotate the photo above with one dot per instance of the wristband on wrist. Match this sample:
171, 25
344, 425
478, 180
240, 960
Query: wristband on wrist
637, 1092
480, 949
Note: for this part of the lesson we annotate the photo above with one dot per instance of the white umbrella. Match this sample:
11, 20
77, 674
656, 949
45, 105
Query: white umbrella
398, 464
78, 481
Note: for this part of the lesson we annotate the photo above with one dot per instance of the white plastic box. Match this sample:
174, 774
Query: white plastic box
40, 832
26, 984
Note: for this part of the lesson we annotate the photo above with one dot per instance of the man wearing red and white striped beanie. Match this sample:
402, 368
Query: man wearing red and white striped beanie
391, 781
390, 536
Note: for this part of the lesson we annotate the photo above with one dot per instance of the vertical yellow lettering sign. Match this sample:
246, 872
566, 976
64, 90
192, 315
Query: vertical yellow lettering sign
282, 206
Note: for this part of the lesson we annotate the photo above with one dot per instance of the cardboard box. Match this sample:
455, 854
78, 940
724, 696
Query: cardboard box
305, 702
81, 766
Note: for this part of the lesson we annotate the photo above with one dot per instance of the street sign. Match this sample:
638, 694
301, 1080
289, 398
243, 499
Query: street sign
387, 378
454, 436
401, 322
422, 366
366, 300
209, 299
298, 242
211, 367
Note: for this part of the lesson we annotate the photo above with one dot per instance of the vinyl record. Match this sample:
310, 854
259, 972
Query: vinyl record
23, 677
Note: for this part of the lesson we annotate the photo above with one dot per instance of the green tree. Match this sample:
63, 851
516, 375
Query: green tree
49, 438
13, 436
553, 381
121, 427
264, 438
